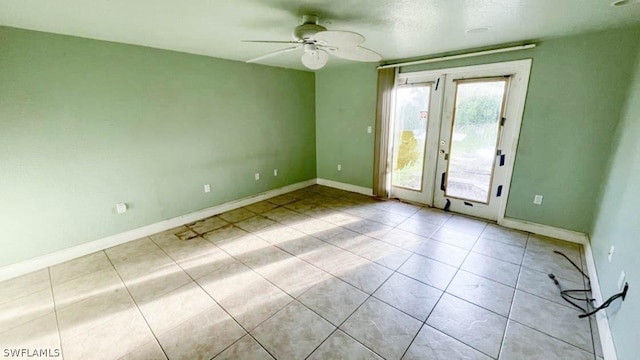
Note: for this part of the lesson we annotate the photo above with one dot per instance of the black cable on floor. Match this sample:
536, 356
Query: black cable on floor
566, 294
574, 264
606, 304
566, 297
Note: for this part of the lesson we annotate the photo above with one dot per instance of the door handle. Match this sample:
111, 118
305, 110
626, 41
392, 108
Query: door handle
442, 187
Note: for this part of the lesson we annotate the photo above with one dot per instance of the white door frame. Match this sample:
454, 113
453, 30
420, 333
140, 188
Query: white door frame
521, 69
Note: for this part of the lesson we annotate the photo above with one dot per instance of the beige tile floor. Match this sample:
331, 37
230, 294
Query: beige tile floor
318, 273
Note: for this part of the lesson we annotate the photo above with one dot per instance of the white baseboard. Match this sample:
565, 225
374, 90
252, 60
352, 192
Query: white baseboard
44, 261
608, 348
344, 186
550, 231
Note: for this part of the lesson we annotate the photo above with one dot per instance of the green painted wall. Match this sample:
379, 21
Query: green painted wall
577, 87
616, 223
345, 107
86, 124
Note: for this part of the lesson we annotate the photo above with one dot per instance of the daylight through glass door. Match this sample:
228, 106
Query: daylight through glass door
475, 134
411, 114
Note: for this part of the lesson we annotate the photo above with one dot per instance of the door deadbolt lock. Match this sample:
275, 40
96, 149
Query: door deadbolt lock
441, 151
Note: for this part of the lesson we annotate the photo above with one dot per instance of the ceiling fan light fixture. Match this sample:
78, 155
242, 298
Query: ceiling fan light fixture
315, 59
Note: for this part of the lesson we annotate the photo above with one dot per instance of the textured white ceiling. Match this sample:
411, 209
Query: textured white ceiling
394, 28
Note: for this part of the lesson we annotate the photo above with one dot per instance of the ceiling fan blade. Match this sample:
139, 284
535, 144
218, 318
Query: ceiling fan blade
275, 53
338, 38
271, 41
355, 53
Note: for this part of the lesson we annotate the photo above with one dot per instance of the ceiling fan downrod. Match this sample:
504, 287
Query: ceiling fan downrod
308, 29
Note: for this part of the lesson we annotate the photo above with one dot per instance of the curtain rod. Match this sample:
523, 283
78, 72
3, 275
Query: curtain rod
461, 56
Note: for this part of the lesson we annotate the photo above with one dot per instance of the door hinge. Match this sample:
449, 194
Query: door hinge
442, 179
502, 157
499, 192
502, 121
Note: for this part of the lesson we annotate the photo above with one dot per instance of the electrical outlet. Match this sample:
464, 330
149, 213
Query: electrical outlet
621, 280
537, 199
121, 208
369, 129
275, 172
610, 255
207, 188
257, 176
339, 167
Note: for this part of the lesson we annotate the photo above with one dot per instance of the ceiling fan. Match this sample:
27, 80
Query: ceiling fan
318, 42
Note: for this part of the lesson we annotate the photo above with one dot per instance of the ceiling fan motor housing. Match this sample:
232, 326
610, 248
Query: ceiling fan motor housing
308, 29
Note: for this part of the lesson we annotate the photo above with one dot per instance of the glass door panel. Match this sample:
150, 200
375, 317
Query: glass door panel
410, 134
475, 133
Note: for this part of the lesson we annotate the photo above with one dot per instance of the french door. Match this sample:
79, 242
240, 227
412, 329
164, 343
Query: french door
415, 122
455, 134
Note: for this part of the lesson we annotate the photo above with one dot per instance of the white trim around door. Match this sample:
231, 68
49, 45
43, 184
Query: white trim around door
439, 133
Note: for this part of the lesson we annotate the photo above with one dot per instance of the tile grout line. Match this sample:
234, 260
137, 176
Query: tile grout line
396, 271
513, 300
458, 269
296, 298
27, 295
55, 310
424, 323
358, 308
550, 336
545, 299
201, 236
338, 327
247, 332
329, 244
485, 278
28, 321
354, 311
137, 306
